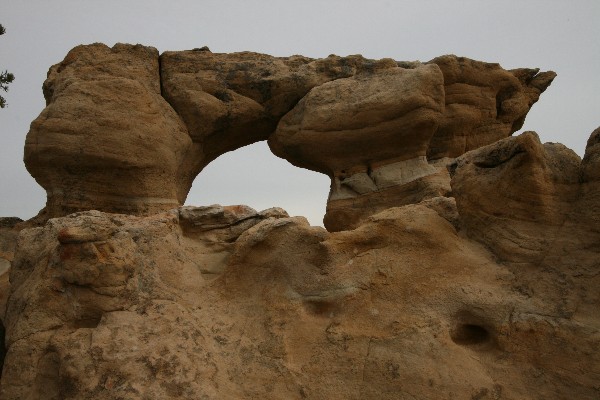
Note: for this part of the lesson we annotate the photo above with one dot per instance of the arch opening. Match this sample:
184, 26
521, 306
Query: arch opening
253, 176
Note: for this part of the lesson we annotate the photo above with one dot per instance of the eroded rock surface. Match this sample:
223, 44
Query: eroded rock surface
107, 140
484, 103
9, 231
489, 297
458, 262
380, 136
127, 130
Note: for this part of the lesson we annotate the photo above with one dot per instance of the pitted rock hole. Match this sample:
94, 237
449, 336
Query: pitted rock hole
321, 308
470, 335
90, 320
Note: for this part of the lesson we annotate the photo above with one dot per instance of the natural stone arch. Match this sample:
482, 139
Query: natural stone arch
252, 175
126, 130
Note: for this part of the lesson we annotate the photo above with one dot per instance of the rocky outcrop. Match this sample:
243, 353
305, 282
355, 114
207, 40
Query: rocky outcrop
126, 130
9, 231
107, 139
484, 103
458, 261
490, 297
380, 136
538, 206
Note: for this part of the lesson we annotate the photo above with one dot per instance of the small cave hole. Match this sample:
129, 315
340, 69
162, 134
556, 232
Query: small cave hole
470, 334
86, 323
90, 319
321, 308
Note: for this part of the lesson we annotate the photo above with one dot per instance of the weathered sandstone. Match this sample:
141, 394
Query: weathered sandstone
374, 133
458, 261
107, 139
126, 130
9, 231
484, 103
478, 299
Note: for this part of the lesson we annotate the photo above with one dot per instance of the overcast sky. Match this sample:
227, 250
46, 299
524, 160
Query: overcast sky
550, 34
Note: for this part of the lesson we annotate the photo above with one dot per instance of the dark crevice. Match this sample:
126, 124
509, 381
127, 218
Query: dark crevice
160, 79
498, 157
470, 334
322, 308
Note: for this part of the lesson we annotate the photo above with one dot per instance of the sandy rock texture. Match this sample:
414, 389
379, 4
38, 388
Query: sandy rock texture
127, 130
107, 139
9, 231
484, 103
485, 294
459, 262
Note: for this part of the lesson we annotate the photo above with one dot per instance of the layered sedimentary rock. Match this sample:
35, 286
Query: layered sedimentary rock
458, 261
489, 294
107, 139
127, 130
484, 103
384, 137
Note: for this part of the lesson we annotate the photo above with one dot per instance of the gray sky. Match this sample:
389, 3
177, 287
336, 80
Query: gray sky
549, 34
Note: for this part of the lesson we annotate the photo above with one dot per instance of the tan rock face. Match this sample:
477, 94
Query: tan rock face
107, 139
127, 130
373, 134
441, 274
484, 103
393, 112
480, 299
9, 231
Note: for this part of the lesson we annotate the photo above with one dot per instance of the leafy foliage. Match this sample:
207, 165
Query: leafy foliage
5, 77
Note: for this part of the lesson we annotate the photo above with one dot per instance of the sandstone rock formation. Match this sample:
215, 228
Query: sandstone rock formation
376, 134
126, 130
491, 297
9, 231
459, 262
107, 138
484, 103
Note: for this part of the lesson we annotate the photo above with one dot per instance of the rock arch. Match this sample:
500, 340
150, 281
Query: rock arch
127, 130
